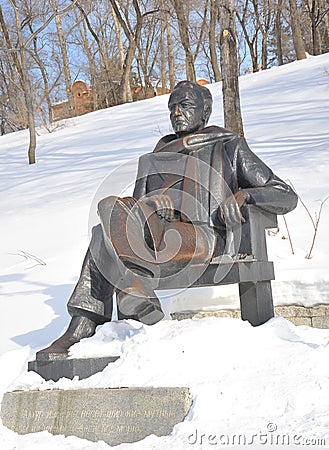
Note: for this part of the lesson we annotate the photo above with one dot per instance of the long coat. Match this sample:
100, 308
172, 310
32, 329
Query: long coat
216, 164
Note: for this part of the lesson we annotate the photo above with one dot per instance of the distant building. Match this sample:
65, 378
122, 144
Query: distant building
83, 98
83, 102
60, 111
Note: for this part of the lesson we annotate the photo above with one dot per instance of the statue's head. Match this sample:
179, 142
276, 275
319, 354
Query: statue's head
190, 106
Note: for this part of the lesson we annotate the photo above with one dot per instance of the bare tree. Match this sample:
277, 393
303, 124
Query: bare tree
180, 9
13, 107
65, 59
278, 32
118, 33
325, 25
229, 68
149, 47
250, 29
125, 43
296, 31
105, 62
263, 13
214, 10
171, 57
133, 34
46, 88
25, 80
163, 52
19, 50
318, 11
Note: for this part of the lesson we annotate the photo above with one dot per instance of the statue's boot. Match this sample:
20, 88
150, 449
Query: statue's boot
79, 328
139, 300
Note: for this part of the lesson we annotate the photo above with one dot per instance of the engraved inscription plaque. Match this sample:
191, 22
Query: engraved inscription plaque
112, 415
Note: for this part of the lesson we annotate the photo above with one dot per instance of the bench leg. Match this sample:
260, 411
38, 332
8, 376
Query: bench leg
256, 302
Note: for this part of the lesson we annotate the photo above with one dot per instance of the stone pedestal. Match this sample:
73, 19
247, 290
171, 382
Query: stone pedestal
112, 415
54, 369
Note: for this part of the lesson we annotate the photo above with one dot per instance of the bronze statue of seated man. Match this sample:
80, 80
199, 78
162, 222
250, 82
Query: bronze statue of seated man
188, 195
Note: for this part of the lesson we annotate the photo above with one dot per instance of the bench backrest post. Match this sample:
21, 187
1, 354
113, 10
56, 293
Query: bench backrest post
253, 240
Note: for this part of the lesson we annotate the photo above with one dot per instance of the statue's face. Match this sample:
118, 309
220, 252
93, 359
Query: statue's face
186, 111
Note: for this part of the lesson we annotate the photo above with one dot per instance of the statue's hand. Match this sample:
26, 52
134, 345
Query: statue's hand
230, 210
162, 205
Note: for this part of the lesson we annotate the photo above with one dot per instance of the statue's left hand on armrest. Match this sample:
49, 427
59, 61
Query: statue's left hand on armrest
229, 211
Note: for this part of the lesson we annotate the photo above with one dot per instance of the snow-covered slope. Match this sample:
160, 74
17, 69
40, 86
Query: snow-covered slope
46, 213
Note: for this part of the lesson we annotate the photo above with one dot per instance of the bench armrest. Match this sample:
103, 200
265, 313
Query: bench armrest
253, 239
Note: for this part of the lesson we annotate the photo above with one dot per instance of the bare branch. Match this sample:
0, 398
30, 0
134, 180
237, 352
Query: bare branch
56, 13
309, 254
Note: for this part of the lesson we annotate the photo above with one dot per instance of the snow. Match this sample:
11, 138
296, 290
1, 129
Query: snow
243, 380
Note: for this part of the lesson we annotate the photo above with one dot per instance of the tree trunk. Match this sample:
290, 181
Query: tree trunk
251, 42
229, 68
317, 41
46, 89
264, 51
162, 54
171, 57
66, 64
26, 87
125, 79
314, 13
267, 15
14, 55
278, 32
118, 33
133, 38
214, 8
184, 36
263, 20
91, 64
325, 35
296, 31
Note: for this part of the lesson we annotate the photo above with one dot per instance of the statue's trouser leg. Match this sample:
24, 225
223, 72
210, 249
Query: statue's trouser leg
93, 294
90, 303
